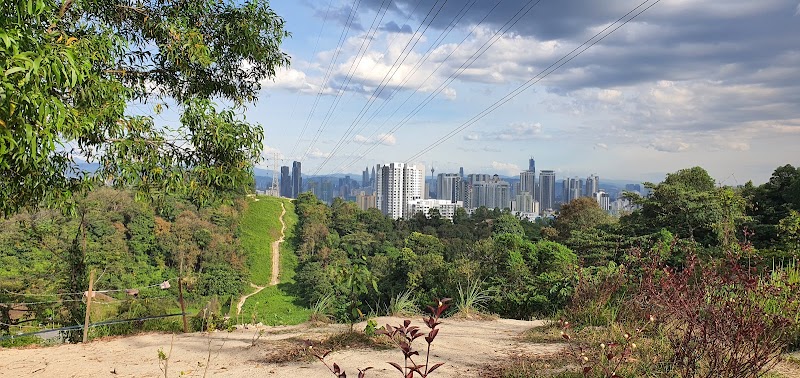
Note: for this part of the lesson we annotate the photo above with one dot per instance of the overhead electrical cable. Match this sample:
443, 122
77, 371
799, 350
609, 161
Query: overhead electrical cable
426, 22
334, 58
437, 43
362, 51
539, 77
313, 54
496, 36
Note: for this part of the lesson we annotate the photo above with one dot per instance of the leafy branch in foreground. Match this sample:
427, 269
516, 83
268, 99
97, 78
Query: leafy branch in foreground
406, 334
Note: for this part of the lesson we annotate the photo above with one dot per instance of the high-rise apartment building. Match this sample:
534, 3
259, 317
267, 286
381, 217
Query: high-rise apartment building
446, 184
592, 185
527, 183
396, 185
297, 179
475, 177
547, 187
286, 182
365, 178
365, 201
492, 194
603, 199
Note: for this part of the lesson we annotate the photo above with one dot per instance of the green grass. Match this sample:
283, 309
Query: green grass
260, 226
273, 305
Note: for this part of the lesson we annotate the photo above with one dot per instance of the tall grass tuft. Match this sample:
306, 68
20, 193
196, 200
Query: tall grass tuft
402, 305
472, 299
321, 309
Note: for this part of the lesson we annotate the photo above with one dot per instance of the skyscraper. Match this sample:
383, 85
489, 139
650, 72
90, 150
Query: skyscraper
286, 182
527, 183
446, 184
493, 193
547, 185
532, 165
396, 185
297, 179
461, 172
592, 185
365, 178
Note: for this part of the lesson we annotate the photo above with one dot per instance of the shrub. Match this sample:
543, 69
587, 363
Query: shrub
714, 317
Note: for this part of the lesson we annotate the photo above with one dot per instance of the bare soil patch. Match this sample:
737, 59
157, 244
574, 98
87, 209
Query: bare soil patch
463, 345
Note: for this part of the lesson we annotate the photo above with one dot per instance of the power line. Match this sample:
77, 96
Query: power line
316, 46
334, 58
362, 51
418, 65
498, 34
541, 75
389, 75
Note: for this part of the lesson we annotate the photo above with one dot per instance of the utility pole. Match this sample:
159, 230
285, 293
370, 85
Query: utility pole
89, 294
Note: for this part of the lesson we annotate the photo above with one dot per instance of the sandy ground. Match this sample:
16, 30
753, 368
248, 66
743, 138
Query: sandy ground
464, 347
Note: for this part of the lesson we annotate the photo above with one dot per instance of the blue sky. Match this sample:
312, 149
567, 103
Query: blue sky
686, 83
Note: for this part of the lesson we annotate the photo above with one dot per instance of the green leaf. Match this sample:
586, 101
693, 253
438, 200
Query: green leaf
13, 70
6, 40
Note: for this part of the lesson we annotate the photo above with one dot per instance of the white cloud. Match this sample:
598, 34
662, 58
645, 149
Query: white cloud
669, 145
449, 93
472, 136
509, 169
518, 131
384, 139
294, 80
601, 145
316, 153
268, 153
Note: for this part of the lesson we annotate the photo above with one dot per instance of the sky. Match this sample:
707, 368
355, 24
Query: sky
685, 83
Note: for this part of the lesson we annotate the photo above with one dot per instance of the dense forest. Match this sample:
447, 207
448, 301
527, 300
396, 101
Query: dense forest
46, 257
528, 269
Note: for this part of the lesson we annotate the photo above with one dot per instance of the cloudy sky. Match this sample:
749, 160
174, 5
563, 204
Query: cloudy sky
709, 83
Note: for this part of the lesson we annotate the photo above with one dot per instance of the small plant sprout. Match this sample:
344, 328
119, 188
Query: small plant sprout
334, 368
405, 335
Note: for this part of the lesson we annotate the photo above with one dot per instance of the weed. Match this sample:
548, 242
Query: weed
402, 305
321, 309
472, 299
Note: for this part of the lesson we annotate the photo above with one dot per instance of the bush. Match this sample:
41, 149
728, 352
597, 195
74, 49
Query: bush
221, 280
714, 317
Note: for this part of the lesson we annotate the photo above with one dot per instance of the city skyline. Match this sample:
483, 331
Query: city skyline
667, 91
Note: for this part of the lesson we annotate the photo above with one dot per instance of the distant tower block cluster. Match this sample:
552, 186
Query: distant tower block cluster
291, 185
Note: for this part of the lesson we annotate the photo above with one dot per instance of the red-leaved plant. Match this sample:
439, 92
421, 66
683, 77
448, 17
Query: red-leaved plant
337, 371
405, 336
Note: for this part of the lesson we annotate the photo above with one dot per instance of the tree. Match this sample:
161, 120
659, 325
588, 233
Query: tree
688, 205
581, 214
70, 70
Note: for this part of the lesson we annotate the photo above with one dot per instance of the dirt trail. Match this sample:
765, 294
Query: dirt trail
276, 264
464, 346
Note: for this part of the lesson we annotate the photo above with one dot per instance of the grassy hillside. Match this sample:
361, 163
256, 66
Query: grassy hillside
260, 227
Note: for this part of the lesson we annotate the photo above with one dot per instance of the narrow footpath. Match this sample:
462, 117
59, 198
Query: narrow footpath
276, 264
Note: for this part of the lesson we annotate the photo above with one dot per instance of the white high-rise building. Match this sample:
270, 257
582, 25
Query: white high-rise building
603, 199
396, 184
527, 182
